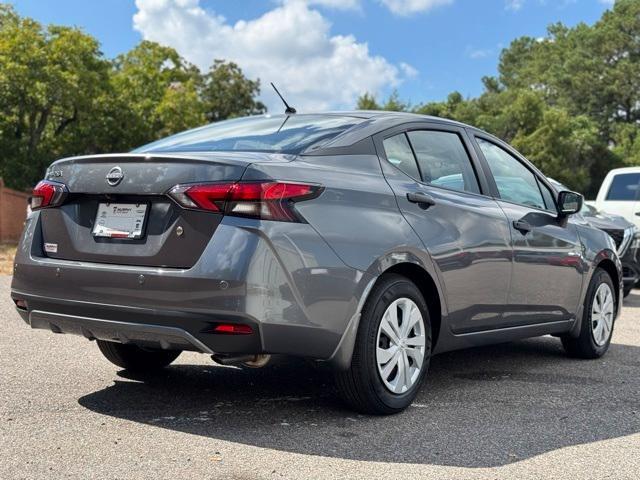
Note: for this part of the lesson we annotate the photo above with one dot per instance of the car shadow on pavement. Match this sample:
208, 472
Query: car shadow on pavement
482, 407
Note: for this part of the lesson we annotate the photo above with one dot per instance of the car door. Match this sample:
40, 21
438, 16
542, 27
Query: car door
433, 172
547, 253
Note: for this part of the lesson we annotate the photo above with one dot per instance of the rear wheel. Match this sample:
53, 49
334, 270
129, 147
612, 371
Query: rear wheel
597, 319
392, 350
136, 359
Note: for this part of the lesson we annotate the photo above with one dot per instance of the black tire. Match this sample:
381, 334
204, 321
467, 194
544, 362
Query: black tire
361, 386
585, 345
136, 359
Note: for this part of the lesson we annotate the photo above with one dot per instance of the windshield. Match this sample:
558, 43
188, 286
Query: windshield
277, 134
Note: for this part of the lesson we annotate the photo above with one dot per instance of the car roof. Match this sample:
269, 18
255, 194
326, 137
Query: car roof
400, 116
624, 170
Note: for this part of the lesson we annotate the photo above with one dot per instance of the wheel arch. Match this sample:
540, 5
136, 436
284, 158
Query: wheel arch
410, 268
427, 286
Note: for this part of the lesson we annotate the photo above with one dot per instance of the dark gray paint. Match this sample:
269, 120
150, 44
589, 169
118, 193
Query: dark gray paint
302, 285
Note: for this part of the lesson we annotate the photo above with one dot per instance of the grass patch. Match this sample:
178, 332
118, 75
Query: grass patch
7, 252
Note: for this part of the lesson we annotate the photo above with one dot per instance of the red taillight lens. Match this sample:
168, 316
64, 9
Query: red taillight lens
233, 329
264, 200
48, 194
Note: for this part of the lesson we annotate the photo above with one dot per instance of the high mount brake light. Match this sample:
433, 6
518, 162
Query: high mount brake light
48, 194
264, 200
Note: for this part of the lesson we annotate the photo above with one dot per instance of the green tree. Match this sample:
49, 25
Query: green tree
49, 80
367, 101
227, 93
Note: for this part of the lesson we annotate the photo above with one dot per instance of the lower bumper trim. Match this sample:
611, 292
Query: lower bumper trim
168, 338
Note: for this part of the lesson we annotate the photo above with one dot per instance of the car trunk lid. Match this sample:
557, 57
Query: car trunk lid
171, 236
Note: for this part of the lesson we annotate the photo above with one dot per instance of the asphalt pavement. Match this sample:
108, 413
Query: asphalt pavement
520, 410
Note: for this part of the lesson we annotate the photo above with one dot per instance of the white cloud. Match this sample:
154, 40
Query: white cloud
408, 70
409, 7
337, 4
478, 53
514, 5
290, 45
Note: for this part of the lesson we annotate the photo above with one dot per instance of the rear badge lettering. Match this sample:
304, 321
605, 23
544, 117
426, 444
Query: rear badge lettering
51, 247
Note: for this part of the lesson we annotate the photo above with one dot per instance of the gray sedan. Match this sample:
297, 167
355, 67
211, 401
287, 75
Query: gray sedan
369, 241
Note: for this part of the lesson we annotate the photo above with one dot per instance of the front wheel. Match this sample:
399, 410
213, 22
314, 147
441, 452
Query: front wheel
136, 359
598, 319
392, 350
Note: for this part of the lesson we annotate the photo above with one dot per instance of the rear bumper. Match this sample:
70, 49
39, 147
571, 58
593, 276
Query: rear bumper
281, 279
158, 336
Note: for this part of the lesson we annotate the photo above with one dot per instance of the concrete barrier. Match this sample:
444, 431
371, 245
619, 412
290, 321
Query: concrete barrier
13, 211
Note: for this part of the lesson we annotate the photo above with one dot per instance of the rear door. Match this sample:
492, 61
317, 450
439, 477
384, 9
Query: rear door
547, 253
433, 172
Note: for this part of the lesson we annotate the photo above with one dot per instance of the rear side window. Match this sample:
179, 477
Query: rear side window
443, 160
515, 182
624, 187
399, 153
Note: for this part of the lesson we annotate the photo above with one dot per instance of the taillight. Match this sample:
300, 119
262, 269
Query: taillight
264, 200
48, 194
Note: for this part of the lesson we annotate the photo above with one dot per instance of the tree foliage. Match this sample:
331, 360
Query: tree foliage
570, 101
59, 96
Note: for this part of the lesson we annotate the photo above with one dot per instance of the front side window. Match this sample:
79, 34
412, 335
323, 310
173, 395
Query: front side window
624, 187
399, 154
515, 182
443, 160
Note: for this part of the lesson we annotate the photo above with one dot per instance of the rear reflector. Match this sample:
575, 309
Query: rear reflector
48, 194
233, 329
264, 200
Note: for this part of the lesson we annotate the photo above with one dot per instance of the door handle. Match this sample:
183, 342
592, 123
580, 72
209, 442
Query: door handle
522, 226
424, 200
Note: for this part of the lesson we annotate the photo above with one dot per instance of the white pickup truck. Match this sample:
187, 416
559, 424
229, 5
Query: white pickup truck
619, 194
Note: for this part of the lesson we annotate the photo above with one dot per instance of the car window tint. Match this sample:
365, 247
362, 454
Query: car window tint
624, 187
399, 153
515, 182
548, 197
443, 160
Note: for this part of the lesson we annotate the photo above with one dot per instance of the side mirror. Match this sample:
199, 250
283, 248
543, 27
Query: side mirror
569, 203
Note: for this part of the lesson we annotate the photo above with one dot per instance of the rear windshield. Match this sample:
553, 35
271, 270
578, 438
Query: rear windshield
624, 187
278, 134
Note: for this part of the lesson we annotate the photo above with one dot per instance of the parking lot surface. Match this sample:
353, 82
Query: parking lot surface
521, 410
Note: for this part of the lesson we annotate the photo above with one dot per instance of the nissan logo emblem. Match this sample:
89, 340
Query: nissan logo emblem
115, 176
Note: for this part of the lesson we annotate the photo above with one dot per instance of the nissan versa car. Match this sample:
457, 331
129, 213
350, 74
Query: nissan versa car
367, 240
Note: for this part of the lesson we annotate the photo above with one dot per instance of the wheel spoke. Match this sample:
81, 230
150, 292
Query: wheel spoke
417, 356
386, 371
415, 341
384, 355
389, 331
399, 383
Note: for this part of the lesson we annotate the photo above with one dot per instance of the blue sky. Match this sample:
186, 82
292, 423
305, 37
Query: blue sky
324, 52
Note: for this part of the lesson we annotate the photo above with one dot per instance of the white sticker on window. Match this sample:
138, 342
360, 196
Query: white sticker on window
51, 247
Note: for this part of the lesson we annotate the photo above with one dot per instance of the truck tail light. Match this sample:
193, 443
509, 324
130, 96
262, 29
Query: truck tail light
48, 194
263, 200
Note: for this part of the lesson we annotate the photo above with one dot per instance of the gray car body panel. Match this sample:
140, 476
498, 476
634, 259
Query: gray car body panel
302, 286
